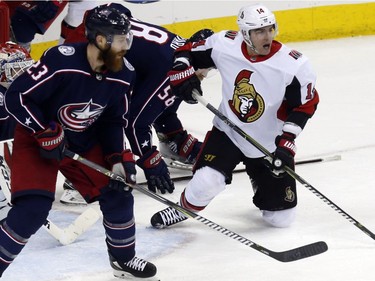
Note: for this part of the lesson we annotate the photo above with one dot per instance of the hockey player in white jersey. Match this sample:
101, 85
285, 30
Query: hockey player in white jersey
268, 91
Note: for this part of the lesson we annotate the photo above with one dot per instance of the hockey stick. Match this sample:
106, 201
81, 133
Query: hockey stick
64, 235
284, 256
70, 233
288, 170
188, 167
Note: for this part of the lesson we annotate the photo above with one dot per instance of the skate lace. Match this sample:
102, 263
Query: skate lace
137, 264
171, 216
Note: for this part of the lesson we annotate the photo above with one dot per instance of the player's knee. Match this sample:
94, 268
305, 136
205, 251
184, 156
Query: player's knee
204, 186
282, 218
32, 209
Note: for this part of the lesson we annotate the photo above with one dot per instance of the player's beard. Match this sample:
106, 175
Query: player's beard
113, 60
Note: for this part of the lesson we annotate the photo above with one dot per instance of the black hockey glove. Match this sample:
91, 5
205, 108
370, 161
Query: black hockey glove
51, 142
156, 171
183, 81
123, 164
284, 153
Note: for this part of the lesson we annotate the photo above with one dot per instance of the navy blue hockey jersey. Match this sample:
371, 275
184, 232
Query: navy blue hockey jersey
62, 87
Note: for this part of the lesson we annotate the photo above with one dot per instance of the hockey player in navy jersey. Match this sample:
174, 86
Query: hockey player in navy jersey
76, 96
268, 92
153, 104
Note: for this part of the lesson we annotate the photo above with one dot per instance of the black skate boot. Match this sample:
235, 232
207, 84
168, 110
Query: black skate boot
135, 269
167, 217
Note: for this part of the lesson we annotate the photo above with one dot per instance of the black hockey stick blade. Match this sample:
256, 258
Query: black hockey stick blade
295, 254
300, 252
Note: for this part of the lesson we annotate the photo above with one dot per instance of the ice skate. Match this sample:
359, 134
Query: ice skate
135, 269
71, 196
167, 217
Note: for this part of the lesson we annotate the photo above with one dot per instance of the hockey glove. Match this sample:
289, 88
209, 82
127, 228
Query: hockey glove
156, 171
51, 142
284, 153
123, 164
185, 146
184, 80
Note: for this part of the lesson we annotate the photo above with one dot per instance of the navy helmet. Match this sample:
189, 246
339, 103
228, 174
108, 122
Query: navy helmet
106, 21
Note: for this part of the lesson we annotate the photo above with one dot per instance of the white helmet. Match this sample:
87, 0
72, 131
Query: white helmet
254, 17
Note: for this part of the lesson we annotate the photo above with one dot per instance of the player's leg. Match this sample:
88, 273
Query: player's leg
33, 185
276, 197
213, 171
119, 225
118, 215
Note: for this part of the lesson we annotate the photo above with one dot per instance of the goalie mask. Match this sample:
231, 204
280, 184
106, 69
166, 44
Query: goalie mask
254, 17
14, 60
107, 21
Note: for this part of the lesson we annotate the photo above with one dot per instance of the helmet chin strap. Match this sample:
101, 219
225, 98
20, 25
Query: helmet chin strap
251, 46
249, 43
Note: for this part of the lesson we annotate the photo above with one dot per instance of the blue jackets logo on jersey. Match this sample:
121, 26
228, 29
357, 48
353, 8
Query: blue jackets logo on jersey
78, 117
67, 50
247, 104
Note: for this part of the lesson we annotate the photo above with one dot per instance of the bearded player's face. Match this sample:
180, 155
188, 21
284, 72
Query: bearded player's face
113, 58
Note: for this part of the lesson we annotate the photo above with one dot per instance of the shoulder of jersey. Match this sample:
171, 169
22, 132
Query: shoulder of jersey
63, 56
61, 51
230, 34
295, 55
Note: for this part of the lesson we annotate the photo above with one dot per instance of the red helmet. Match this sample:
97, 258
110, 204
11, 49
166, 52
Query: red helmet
14, 60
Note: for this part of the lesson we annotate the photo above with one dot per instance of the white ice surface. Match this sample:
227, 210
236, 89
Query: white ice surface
343, 125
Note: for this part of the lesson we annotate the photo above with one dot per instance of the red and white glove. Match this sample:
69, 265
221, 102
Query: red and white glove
51, 141
123, 164
183, 80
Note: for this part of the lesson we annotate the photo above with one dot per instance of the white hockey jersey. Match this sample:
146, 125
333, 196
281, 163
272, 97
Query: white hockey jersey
261, 95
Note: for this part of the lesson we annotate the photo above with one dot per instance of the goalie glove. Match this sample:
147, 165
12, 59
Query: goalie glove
183, 80
123, 164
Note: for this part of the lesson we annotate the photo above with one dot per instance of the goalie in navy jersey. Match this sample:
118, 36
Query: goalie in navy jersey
75, 96
152, 103
268, 91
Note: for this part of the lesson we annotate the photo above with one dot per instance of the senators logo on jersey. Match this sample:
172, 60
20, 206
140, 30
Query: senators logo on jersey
247, 104
78, 117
